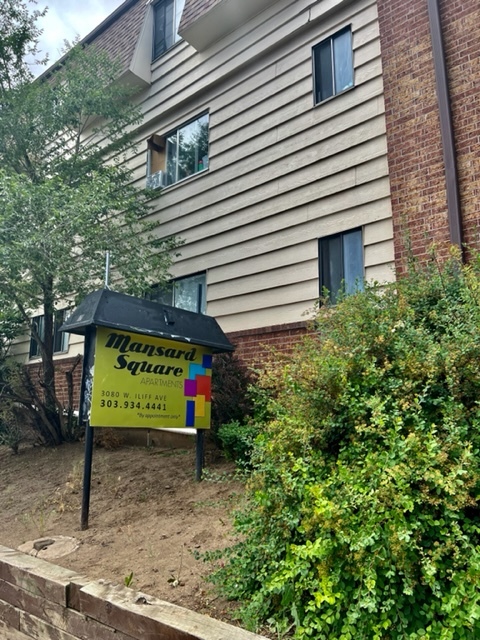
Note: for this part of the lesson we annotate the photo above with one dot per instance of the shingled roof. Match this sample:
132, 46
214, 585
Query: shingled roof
195, 9
118, 34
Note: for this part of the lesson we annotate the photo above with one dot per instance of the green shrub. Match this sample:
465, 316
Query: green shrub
237, 441
230, 398
15, 427
363, 514
10, 435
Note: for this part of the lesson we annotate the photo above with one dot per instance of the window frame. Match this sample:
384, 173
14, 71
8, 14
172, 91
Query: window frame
158, 154
177, 10
59, 339
167, 295
324, 274
316, 71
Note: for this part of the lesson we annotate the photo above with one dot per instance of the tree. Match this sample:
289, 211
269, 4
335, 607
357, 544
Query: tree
66, 193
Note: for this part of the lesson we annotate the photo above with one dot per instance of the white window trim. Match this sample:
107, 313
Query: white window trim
159, 144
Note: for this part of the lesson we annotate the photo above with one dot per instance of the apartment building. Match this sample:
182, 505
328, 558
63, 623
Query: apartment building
297, 145
264, 132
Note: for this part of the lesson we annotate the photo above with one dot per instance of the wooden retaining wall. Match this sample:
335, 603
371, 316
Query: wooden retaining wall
41, 601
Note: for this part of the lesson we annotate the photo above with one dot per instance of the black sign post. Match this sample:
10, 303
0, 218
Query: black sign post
155, 324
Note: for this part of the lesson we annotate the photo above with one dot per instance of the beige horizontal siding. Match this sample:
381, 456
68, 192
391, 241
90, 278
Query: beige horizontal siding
283, 314
381, 273
378, 231
21, 348
282, 172
265, 203
338, 212
264, 281
269, 261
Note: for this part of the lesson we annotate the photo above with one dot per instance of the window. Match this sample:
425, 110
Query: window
333, 65
166, 18
341, 263
188, 293
179, 154
60, 339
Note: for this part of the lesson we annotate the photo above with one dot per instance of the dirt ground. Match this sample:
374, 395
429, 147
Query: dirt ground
147, 515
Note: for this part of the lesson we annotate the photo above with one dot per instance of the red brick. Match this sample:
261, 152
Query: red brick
417, 173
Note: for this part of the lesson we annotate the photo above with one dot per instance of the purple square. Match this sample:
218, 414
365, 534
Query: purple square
190, 388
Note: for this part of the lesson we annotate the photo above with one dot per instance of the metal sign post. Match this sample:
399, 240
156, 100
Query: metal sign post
146, 365
199, 454
85, 403
87, 476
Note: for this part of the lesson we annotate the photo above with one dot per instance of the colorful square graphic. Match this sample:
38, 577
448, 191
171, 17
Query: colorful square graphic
198, 386
195, 370
204, 387
190, 388
200, 407
207, 361
190, 417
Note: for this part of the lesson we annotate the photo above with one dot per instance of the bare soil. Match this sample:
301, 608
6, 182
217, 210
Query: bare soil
147, 515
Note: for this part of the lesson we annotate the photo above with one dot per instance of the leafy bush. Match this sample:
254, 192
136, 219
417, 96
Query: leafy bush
15, 425
363, 514
237, 441
230, 398
10, 435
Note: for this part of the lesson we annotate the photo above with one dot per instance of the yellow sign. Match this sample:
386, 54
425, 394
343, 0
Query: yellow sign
142, 381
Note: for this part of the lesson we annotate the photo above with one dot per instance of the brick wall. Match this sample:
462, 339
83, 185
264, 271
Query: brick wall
415, 159
63, 368
417, 174
41, 600
460, 22
253, 346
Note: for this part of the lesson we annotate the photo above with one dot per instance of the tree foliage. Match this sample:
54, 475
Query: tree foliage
66, 192
19, 39
363, 517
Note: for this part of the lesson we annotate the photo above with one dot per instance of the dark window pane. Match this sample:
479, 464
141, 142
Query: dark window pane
190, 293
169, 25
187, 293
162, 294
333, 65
158, 29
331, 269
172, 158
60, 339
353, 261
323, 71
38, 321
187, 150
342, 60
341, 263
167, 15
